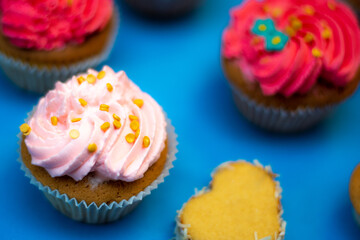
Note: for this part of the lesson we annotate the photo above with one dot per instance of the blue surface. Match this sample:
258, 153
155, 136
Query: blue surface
178, 63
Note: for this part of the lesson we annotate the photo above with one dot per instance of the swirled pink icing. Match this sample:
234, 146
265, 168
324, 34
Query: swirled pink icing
52, 148
51, 24
296, 68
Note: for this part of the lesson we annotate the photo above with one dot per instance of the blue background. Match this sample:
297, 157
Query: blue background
178, 63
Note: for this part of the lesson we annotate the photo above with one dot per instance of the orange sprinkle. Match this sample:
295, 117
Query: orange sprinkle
101, 75
316, 52
308, 38
290, 31
138, 102
277, 12
54, 120
134, 125
326, 34
146, 142
90, 79
116, 117
75, 119
82, 102
109, 87
92, 147
130, 138
132, 117
117, 124
81, 79
296, 24
309, 10
74, 134
104, 107
105, 126
25, 129
137, 133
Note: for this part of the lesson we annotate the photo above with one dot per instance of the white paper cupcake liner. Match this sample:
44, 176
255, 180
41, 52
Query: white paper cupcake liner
181, 230
276, 119
41, 79
164, 8
81, 211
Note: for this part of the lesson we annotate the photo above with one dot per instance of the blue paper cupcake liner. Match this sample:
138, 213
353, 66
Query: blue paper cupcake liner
276, 119
81, 211
41, 79
181, 230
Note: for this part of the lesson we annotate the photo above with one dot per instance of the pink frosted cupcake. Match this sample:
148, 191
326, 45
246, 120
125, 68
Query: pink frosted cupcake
290, 62
44, 41
97, 145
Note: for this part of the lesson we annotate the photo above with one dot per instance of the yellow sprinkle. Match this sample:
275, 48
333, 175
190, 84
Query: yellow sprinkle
109, 87
290, 31
82, 102
81, 79
54, 120
132, 117
130, 138
262, 27
75, 119
104, 107
308, 38
137, 133
146, 141
74, 134
277, 12
116, 117
117, 124
138, 102
326, 34
296, 24
25, 129
105, 126
316, 52
92, 147
276, 40
134, 125
90, 79
309, 10
101, 75
331, 5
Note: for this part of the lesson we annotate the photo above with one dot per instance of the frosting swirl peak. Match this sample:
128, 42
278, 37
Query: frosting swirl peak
84, 126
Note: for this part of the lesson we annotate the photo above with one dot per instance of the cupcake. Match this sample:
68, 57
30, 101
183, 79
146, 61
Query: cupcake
354, 191
96, 145
43, 41
290, 63
164, 8
243, 202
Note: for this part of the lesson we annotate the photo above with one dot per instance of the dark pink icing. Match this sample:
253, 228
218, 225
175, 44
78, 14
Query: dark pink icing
51, 24
295, 69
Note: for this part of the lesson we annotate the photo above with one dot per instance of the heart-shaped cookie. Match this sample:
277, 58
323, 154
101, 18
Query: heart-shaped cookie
243, 202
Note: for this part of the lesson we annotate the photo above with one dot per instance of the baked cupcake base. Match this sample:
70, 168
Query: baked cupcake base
38, 71
64, 194
229, 199
277, 113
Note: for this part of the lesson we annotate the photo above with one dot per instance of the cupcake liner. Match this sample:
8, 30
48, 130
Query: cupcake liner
41, 79
81, 211
356, 216
276, 119
164, 8
181, 232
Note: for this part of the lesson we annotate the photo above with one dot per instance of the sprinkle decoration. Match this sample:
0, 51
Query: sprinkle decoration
134, 125
92, 147
146, 142
138, 102
109, 87
75, 120
101, 75
308, 38
116, 117
316, 52
130, 138
132, 117
105, 126
104, 107
54, 120
90, 79
274, 39
82, 102
80, 80
25, 129
117, 124
74, 134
